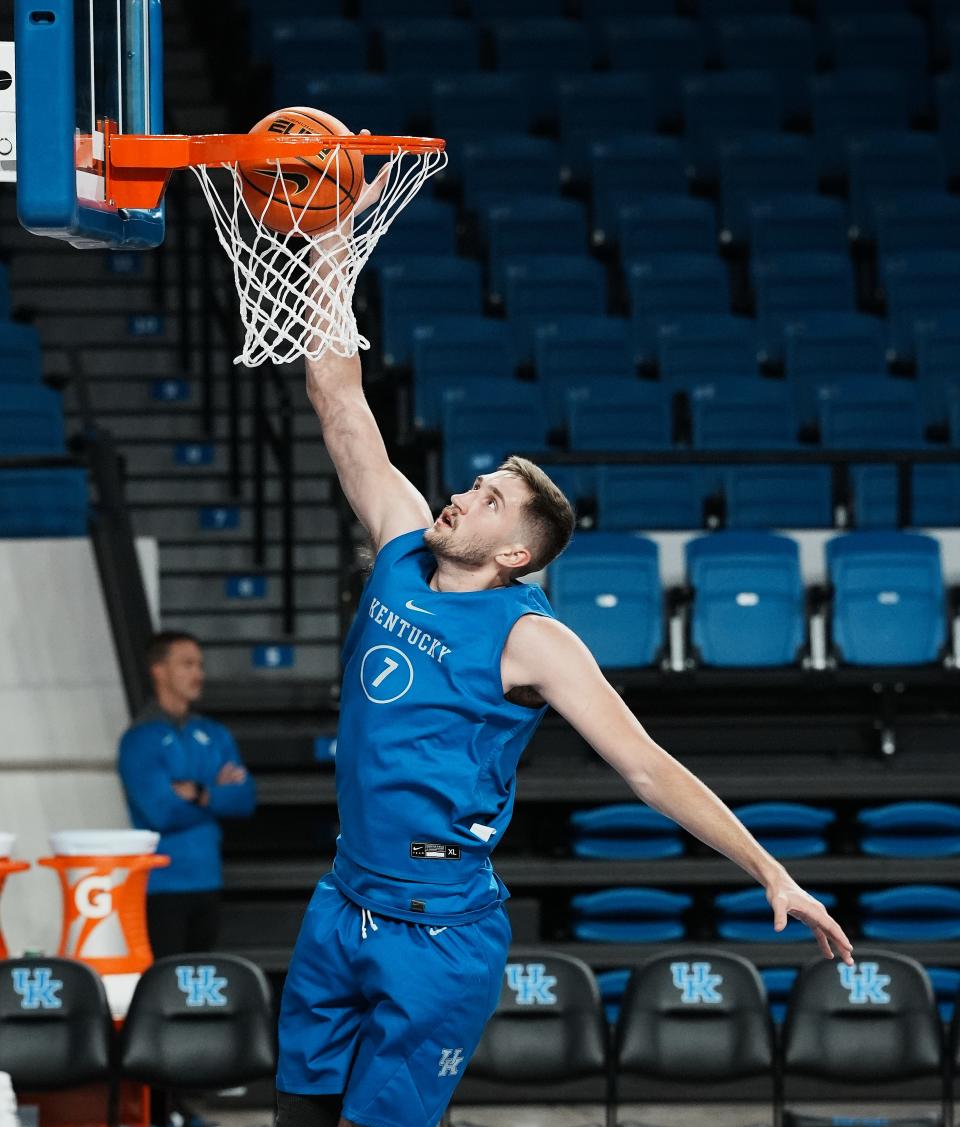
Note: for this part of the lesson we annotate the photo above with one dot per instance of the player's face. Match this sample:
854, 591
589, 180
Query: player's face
181, 672
480, 522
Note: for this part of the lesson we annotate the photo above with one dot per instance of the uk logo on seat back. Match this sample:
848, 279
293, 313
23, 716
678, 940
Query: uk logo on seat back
531, 984
202, 986
37, 987
696, 983
864, 984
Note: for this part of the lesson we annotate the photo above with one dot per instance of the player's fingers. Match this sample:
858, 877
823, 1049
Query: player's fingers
779, 913
824, 942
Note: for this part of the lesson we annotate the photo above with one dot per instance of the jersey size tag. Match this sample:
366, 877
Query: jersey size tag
418, 905
434, 851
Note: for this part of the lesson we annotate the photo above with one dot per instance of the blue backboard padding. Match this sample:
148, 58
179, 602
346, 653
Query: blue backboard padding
47, 202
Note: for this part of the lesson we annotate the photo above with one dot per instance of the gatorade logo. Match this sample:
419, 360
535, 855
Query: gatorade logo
92, 897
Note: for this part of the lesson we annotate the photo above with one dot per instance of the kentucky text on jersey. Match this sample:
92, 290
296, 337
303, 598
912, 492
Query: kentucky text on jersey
426, 643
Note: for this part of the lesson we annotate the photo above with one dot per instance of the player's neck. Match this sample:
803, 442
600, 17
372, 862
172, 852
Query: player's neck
450, 577
173, 704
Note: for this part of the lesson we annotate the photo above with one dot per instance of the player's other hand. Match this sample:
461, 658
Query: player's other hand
231, 774
185, 790
787, 898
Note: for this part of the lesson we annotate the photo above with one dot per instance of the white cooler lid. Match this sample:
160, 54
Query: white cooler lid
6, 844
103, 843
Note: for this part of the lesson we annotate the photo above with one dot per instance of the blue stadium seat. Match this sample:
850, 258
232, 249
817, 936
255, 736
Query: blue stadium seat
371, 10
868, 413
719, 107
789, 222
595, 11
612, 984
854, 103
509, 165
895, 41
946, 989
508, 9
664, 47
419, 290
748, 605
948, 118
473, 105
778, 982
888, 605
953, 410
295, 42
938, 364
559, 46
35, 503
831, 343
910, 829
650, 497
545, 287
606, 587
457, 348
629, 915
360, 101
784, 43
626, 831
477, 437
575, 352
594, 107
919, 220
664, 287
758, 166
934, 489
792, 285
19, 354
911, 913
922, 286
425, 226
778, 496
737, 9
530, 226
31, 421
424, 45
630, 415
788, 829
742, 413
706, 344
746, 917
828, 10
630, 166
659, 224
566, 390
884, 164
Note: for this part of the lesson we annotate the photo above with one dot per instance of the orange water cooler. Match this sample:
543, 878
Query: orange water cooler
8, 866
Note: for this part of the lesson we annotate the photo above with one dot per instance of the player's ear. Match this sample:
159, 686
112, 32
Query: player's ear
513, 556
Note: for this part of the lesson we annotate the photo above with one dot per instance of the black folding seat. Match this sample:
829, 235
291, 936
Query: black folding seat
695, 1027
864, 1034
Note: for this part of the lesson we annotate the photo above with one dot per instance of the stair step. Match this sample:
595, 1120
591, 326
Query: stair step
210, 593
255, 628
124, 293
102, 267
145, 458
213, 490
315, 661
239, 556
179, 425
171, 522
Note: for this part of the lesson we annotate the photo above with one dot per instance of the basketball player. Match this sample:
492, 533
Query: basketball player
448, 668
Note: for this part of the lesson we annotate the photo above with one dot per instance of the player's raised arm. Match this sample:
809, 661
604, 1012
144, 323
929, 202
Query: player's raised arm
545, 655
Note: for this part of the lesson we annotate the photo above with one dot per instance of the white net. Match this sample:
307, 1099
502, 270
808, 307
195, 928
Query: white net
296, 289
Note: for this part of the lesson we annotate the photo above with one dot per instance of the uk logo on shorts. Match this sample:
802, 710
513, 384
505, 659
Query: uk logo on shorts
202, 986
531, 984
450, 1061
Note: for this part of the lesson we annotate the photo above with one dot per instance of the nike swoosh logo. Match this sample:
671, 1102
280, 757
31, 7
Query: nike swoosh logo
412, 606
299, 180
436, 930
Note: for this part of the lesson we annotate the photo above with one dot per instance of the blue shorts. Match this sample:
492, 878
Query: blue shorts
387, 1013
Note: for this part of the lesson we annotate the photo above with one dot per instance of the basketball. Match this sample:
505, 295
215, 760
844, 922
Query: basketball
309, 194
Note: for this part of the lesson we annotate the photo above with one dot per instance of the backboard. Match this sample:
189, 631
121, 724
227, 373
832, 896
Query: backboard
85, 68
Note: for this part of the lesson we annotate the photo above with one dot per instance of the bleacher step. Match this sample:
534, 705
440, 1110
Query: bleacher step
211, 593
255, 628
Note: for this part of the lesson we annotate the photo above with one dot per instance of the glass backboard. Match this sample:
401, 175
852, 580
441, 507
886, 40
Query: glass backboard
85, 69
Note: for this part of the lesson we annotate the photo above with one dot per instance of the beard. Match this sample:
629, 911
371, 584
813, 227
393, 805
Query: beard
471, 553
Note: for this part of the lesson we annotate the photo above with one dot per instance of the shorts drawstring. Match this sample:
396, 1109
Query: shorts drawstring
366, 917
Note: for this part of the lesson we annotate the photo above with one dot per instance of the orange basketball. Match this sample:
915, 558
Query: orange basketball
310, 193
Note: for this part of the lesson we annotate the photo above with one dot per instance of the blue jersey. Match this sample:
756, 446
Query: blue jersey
427, 747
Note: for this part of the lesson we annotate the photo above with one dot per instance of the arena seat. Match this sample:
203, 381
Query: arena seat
788, 829
419, 290
910, 829
199, 1021
55, 1028
612, 984
634, 164
746, 917
934, 489
938, 364
707, 344
547, 1039
545, 287
662, 223
694, 1028
457, 348
832, 343
946, 988
897, 41
477, 436
425, 226
370, 10
719, 107
854, 103
595, 345
864, 1033
793, 221
919, 287
529, 226
784, 42
374, 99
629, 915
757, 166
748, 599
886, 163
742, 413
664, 287
19, 354
294, 42
778, 982
31, 422
414, 44
624, 831
595, 107
43, 502
888, 603
594, 11
869, 412
566, 391
646, 497
925, 219
760, 497
948, 118
665, 47
713, 10
606, 587
534, 164
911, 913
792, 285
507, 9
630, 415
464, 105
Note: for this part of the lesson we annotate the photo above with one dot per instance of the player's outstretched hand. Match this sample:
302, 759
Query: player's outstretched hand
787, 898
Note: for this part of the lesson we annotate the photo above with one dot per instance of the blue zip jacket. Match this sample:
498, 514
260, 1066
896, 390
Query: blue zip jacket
156, 752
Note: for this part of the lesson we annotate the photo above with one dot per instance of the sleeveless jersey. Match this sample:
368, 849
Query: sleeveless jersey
427, 746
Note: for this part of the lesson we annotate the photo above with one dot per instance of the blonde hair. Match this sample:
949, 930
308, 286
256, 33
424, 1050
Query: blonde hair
547, 514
